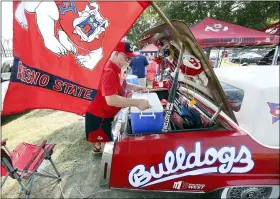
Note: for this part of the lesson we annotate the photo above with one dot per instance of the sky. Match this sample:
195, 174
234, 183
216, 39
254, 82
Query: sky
7, 20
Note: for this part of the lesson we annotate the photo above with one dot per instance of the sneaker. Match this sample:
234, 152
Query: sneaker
97, 150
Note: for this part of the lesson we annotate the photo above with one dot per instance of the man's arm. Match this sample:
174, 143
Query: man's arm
109, 90
133, 87
119, 101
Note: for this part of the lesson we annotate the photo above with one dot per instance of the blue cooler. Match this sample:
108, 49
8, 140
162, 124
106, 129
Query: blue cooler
150, 120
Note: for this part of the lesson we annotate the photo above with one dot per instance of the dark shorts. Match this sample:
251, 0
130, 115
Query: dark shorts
98, 129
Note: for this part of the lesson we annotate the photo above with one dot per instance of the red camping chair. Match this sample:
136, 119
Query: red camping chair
22, 163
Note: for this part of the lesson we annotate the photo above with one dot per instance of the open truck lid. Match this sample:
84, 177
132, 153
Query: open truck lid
195, 66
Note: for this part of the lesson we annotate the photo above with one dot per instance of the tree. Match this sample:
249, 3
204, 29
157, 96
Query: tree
144, 22
251, 14
258, 14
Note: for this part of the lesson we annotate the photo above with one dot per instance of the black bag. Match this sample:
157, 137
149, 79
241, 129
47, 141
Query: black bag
191, 116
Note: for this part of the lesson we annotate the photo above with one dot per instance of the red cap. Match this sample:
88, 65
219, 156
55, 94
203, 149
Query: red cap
126, 48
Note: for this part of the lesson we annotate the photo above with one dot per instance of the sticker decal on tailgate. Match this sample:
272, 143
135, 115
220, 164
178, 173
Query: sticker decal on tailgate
179, 164
274, 111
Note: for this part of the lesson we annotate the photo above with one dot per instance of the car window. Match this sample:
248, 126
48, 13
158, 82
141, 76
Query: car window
235, 96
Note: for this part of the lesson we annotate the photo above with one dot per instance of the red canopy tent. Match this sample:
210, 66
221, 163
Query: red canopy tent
214, 33
151, 48
273, 29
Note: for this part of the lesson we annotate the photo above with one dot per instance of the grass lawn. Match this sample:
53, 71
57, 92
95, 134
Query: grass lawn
72, 155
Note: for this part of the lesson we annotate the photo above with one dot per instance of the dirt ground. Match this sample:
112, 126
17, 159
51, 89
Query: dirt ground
72, 156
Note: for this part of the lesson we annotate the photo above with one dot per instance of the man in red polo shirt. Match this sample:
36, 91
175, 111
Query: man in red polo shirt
111, 97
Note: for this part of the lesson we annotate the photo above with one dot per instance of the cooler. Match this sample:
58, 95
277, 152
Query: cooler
150, 120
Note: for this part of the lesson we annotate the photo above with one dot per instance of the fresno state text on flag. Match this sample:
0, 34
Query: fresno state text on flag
35, 77
70, 40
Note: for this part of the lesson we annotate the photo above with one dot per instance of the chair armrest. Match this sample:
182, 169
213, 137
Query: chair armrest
43, 144
3, 142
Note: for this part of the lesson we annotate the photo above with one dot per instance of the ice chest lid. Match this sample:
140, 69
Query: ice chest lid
153, 100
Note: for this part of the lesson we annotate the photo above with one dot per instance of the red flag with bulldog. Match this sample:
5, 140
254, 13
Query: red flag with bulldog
60, 49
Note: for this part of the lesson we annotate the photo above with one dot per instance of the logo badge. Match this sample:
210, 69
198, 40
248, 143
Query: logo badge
184, 186
177, 185
100, 138
216, 28
274, 111
191, 62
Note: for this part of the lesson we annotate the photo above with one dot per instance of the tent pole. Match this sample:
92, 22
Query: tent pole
222, 57
275, 56
218, 61
208, 52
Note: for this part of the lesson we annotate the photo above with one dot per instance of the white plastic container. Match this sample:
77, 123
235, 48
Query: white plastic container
150, 120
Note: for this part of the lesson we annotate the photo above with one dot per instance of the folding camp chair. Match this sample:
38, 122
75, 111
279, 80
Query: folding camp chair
23, 162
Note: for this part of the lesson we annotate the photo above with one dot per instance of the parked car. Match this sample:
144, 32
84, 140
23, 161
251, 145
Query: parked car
6, 68
268, 58
249, 58
218, 156
231, 56
4, 88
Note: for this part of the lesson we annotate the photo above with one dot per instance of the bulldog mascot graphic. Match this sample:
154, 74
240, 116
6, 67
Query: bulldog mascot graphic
68, 27
191, 67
